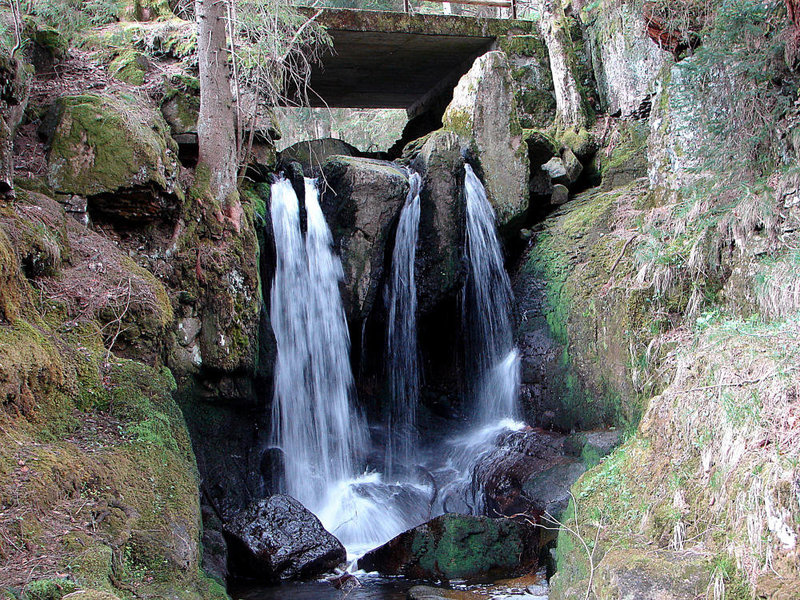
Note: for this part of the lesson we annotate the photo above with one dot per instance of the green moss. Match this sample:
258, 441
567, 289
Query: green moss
524, 45
48, 589
102, 144
537, 107
459, 121
130, 66
152, 9
575, 256
467, 547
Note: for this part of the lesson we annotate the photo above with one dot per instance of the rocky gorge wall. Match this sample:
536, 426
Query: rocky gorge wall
649, 298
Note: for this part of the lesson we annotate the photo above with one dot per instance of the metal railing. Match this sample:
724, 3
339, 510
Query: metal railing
510, 4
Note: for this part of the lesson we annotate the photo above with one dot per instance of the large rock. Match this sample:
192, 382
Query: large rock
502, 473
278, 538
484, 110
115, 151
457, 547
14, 92
533, 79
312, 154
361, 201
439, 268
648, 574
626, 61
548, 491
675, 143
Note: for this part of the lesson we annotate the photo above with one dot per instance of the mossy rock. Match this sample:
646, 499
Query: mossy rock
150, 10
648, 574
484, 111
130, 66
181, 104
47, 39
457, 547
48, 589
90, 595
103, 145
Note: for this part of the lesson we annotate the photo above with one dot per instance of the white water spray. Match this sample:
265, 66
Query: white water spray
401, 335
314, 421
487, 312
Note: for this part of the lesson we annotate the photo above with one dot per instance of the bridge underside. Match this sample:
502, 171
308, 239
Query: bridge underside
396, 60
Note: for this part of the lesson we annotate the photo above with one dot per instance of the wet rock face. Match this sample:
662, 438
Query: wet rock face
439, 265
457, 547
484, 110
361, 202
278, 538
505, 472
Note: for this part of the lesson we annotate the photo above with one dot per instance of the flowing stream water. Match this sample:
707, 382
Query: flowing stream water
316, 423
314, 420
487, 312
401, 336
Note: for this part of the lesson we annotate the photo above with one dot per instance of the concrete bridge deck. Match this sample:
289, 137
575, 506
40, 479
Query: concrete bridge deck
399, 60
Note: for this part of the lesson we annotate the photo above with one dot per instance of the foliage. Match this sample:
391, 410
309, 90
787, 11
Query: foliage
747, 89
70, 17
367, 129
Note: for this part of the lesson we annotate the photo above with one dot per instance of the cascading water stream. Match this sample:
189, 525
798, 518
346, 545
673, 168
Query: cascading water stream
314, 421
487, 312
401, 336
491, 355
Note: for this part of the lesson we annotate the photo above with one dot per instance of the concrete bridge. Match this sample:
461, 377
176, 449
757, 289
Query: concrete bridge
400, 60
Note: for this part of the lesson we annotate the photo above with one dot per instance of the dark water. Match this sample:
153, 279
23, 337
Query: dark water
371, 588
374, 587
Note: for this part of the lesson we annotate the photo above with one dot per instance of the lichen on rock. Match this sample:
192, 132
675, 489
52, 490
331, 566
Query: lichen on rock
484, 111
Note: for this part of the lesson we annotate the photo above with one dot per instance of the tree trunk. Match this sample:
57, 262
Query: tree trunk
570, 107
216, 124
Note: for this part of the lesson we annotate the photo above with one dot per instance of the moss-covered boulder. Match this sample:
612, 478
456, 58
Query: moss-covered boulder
90, 595
117, 152
647, 573
130, 66
150, 10
585, 380
362, 200
484, 111
457, 547
180, 105
533, 80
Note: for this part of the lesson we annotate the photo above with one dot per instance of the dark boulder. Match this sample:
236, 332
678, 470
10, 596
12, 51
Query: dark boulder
361, 201
548, 490
439, 265
312, 154
457, 547
278, 538
519, 456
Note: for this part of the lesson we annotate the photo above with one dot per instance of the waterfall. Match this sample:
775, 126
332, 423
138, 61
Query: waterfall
314, 421
487, 312
401, 335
